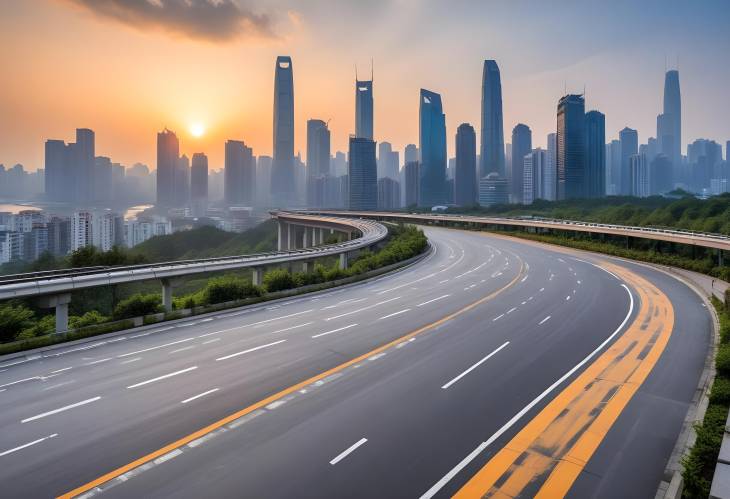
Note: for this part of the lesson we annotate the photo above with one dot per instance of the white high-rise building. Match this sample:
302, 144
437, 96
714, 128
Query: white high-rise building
534, 176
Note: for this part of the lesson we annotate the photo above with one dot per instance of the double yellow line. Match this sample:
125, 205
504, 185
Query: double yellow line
546, 457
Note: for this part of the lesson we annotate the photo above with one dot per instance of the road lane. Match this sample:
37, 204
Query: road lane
402, 385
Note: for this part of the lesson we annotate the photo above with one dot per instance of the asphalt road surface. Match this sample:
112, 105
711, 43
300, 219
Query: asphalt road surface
493, 366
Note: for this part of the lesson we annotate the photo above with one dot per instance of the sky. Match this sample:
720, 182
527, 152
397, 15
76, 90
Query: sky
129, 68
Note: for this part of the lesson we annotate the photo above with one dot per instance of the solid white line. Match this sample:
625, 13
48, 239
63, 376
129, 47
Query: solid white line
334, 331
433, 300
293, 327
439, 485
10, 451
164, 376
347, 451
154, 348
361, 309
474, 366
56, 411
61, 370
200, 395
250, 350
544, 320
395, 313
19, 381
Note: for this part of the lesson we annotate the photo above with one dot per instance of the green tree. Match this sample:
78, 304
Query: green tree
13, 319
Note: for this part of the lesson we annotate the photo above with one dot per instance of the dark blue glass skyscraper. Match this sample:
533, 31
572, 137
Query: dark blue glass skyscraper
521, 147
570, 147
492, 132
362, 175
364, 108
595, 154
465, 176
432, 132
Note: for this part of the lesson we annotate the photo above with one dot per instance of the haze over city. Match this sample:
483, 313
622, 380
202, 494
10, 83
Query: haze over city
126, 71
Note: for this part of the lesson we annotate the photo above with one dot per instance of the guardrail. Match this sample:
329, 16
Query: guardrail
700, 239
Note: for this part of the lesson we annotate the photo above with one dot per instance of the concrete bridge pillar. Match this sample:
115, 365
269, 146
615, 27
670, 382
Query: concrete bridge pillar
291, 237
60, 303
307, 242
167, 285
343, 261
257, 277
282, 234
320, 236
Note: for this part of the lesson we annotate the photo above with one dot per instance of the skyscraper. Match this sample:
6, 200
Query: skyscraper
535, 165
629, 139
492, 133
364, 108
595, 176
182, 181
669, 123
410, 154
521, 146
570, 147
412, 182
550, 181
493, 189
613, 168
199, 183
465, 177
168, 151
388, 194
239, 176
318, 148
362, 175
84, 163
640, 181
432, 133
282, 175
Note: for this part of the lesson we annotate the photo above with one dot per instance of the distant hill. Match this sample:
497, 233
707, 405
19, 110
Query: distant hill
206, 242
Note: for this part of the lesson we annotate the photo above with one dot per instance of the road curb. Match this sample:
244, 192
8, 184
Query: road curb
370, 276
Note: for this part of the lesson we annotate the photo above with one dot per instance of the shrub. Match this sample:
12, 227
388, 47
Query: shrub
722, 361
45, 325
700, 463
88, 319
137, 305
278, 280
720, 393
13, 320
222, 289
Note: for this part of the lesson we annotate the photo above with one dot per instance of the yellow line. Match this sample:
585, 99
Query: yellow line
546, 457
232, 417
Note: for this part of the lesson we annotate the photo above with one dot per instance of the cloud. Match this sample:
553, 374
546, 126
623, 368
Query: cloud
210, 20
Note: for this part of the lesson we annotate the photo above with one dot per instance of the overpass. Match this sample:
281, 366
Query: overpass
706, 240
301, 239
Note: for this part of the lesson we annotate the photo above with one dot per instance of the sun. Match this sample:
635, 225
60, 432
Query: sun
197, 129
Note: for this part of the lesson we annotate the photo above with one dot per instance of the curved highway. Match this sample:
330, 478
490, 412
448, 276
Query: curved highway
493, 366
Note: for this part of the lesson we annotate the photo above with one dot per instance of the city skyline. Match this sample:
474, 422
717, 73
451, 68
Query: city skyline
531, 82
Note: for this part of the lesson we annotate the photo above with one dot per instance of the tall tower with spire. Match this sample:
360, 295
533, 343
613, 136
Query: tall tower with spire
492, 131
283, 188
364, 107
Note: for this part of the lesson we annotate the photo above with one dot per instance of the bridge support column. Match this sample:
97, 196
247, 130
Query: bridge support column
306, 267
167, 285
291, 240
281, 235
257, 277
343, 261
320, 236
307, 242
720, 258
60, 303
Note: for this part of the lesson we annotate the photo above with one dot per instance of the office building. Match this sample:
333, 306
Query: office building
550, 181
199, 184
669, 123
521, 146
570, 147
388, 194
629, 139
364, 108
283, 188
491, 152
613, 168
493, 189
388, 161
412, 177
465, 174
362, 175
70, 169
534, 174
318, 148
595, 154
639, 171
168, 155
432, 133
410, 154
240, 174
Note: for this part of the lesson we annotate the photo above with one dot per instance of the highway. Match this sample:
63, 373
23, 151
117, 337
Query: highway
493, 366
